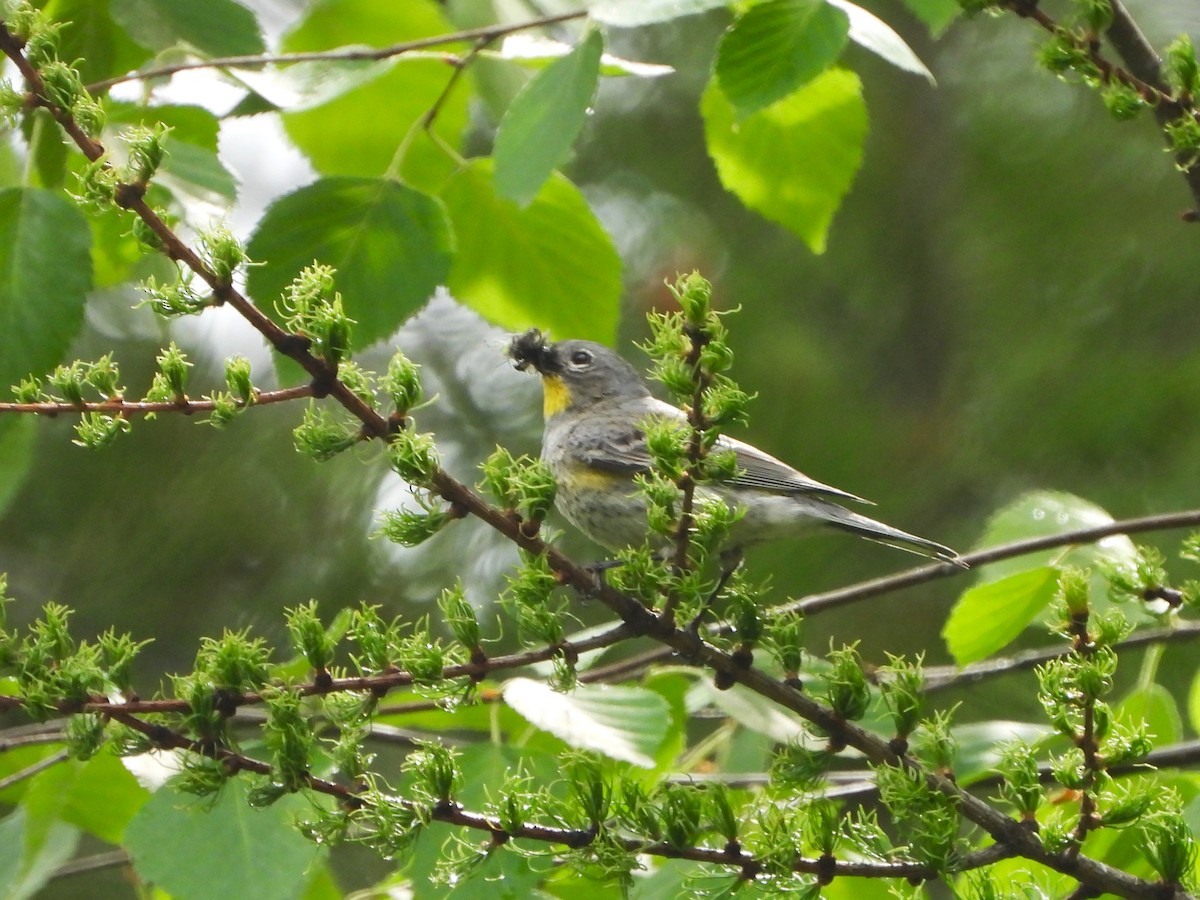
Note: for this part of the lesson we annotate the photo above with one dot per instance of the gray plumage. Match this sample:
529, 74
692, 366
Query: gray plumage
594, 445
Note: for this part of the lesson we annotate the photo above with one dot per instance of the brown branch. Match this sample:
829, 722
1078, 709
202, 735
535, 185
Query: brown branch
373, 684
940, 678
1144, 75
29, 771
1144, 62
487, 33
184, 405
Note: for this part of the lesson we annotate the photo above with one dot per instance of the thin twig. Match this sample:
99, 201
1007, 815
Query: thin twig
29, 771
184, 405
94, 863
486, 33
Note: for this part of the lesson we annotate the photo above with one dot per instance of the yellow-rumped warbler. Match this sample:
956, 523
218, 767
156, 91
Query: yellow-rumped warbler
594, 404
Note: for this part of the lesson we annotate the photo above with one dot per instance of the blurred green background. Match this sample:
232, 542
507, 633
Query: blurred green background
1007, 303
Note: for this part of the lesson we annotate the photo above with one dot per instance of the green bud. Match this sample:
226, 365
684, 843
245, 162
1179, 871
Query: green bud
903, 687
146, 148
237, 377
1122, 101
409, 528
173, 365
288, 738
103, 375
1166, 840
849, 694
460, 618
235, 661
1097, 13
1073, 590
96, 430
322, 436
309, 636
225, 409
29, 391
414, 457
402, 383
223, 252
434, 772
170, 300
1183, 139
1020, 781
693, 292
97, 184
1183, 71
784, 639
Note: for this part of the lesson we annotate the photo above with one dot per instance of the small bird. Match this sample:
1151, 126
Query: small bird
594, 402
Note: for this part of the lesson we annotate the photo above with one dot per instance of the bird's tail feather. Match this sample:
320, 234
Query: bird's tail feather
891, 537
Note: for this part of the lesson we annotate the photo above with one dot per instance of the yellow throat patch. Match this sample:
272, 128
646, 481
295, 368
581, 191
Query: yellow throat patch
556, 397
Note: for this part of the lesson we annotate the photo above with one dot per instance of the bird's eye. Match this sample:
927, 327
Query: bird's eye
581, 357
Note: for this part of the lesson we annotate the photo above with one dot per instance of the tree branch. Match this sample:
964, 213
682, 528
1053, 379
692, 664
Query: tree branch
487, 34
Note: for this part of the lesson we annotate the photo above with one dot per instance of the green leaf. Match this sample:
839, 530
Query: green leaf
45, 274
102, 797
349, 135
872, 33
936, 14
629, 13
795, 161
1153, 705
550, 264
1044, 513
626, 723
202, 848
390, 244
988, 616
543, 121
101, 48
214, 27
777, 47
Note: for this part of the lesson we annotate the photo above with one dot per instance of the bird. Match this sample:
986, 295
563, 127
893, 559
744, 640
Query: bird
595, 404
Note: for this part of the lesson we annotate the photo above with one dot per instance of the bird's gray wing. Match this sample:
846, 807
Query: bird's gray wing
620, 447
757, 469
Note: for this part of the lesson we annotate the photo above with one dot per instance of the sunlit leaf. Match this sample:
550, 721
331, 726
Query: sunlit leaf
794, 161
362, 131
550, 264
390, 244
775, 48
988, 616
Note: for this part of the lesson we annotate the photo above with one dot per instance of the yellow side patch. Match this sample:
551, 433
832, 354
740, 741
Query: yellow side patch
556, 397
580, 477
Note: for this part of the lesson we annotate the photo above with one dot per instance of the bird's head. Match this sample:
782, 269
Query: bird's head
575, 374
